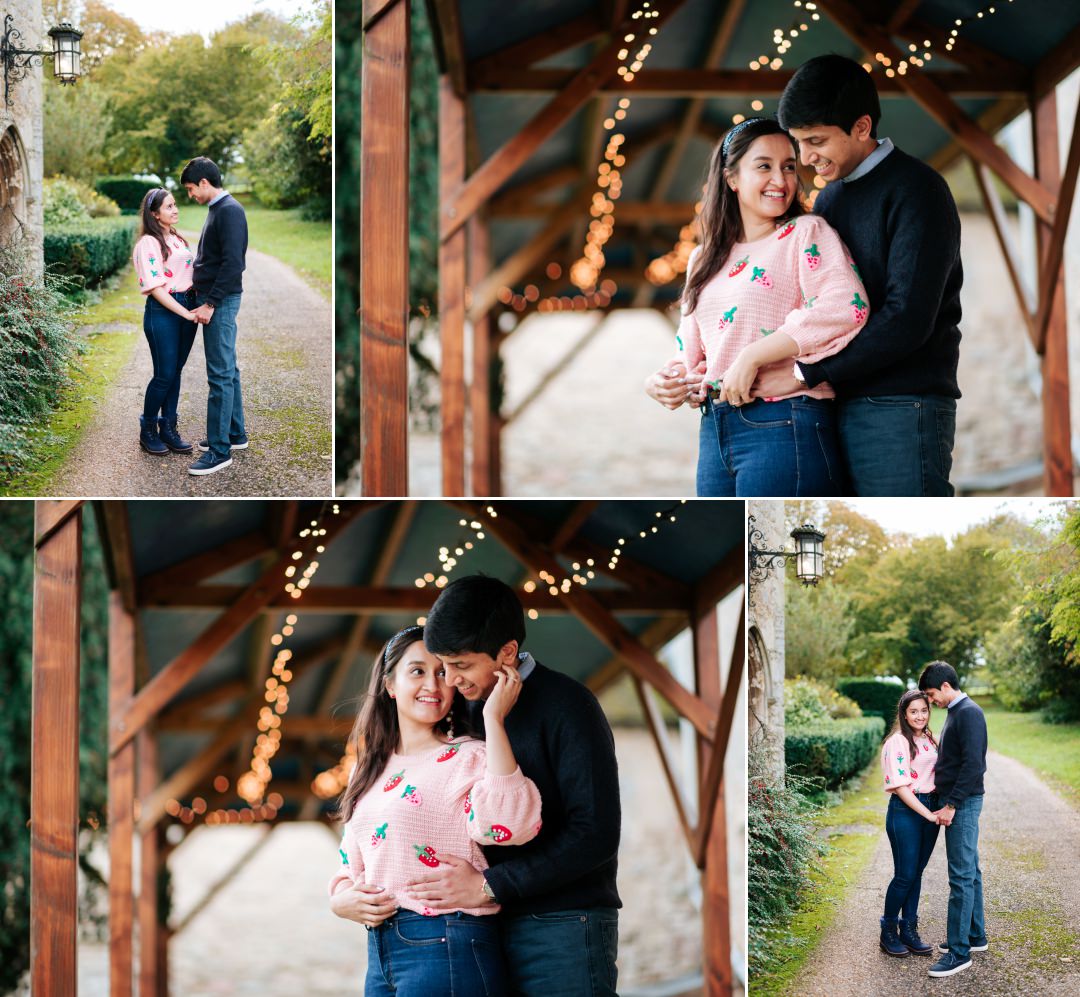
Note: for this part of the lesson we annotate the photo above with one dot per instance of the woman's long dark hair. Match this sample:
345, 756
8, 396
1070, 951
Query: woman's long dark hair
720, 218
901, 722
375, 734
149, 225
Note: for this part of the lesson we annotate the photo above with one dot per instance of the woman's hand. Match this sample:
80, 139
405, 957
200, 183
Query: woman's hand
365, 904
739, 377
189, 316
501, 699
671, 385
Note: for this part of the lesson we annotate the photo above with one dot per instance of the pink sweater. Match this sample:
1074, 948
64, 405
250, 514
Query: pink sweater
173, 274
899, 769
439, 802
799, 280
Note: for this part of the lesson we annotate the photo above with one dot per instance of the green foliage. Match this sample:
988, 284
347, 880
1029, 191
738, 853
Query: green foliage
77, 124
287, 167
849, 537
16, 639
128, 192
808, 701
90, 251
832, 750
819, 619
876, 697
70, 200
782, 845
37, 351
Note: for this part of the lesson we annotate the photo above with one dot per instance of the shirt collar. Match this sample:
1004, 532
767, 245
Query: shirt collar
225, 193
526, 664
884, 147
959, 696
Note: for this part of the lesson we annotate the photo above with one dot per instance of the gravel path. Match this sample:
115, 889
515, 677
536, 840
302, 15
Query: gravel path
1028, 846
285, 353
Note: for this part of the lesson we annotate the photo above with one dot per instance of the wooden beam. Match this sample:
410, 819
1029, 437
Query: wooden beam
117, 532
572, 524
384, 253
480, 395
654, 721
452, 294
901, 15
199, 567
943, 109
1060, 62
502, 164
151, 930
121, 800
629, 212
447, 32
655, 636
991, 121
54, 748
722, 579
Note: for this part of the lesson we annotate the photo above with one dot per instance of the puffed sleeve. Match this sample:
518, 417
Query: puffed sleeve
834, 304
691, 350
149, 266
896, 762
498, 809
351, 869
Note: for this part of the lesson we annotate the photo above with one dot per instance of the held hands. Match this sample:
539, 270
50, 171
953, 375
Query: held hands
203, 314
455, 884
671, 386
501, 699
944, 816
365, 904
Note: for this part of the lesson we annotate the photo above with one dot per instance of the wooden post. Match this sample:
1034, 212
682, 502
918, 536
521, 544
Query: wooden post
152, 981
121, 800
716, 904
452, 292
54, 775
480, 395
384, 249
1057, 431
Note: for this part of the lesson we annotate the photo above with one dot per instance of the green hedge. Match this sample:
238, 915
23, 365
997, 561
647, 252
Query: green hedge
877, 697
89, 252
833, 750
128, 192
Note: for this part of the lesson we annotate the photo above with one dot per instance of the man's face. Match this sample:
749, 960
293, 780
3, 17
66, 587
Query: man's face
831, 151
938, 698
472, 673
201, 192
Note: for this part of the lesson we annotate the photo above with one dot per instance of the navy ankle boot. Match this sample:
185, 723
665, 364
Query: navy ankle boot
170, 436
149, 439
890, 938
909, 935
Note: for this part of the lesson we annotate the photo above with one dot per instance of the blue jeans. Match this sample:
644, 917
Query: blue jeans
170, 338
912, 838
898, 444
565, 952
224, 404
449, 955
965, 878
783, 448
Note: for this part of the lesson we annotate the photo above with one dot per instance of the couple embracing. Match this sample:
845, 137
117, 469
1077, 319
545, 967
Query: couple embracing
933, 784
482, 818
184, 291
821, 348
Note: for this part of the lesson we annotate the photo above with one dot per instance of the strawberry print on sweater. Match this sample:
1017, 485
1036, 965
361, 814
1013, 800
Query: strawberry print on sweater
759, 276
450, 752
897, 770
394, 780
813, 257
379, 835
739, 267
786, 231
729, 317
858, 309
499, 834
426, 854
412, 795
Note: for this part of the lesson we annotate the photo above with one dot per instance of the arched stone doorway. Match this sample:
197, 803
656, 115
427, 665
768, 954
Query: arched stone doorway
13, 178
757, 660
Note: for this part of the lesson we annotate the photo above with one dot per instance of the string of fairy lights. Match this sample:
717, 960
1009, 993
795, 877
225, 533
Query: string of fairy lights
252, 785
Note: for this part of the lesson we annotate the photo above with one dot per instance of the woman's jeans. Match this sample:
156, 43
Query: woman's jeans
170, 338
781, 448
912, 838
448, 955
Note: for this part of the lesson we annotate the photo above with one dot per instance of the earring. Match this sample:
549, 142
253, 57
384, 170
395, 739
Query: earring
450, 727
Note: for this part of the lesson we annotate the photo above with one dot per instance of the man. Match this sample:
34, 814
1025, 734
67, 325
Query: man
219, 264
896, 381
559, 901
959, 784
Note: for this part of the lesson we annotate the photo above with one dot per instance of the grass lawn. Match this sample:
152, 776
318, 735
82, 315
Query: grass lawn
1052, 750
304, 246
851, 827
115, 321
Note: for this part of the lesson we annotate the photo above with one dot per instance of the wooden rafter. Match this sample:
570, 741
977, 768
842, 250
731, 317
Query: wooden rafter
648, 213
1057, 64
117, 530
230, 554
482, 418
450, 43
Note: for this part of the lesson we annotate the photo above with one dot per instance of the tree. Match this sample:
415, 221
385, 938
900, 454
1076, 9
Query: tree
848, 534
77, 124
817, 625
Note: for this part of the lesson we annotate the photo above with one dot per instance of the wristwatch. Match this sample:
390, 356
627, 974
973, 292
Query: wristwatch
488, 891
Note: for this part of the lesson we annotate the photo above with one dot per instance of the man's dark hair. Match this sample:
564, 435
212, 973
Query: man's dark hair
937, 672
475, 614
829, 90
201, 168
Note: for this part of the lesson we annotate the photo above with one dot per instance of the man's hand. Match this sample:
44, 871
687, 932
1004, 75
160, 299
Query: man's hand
455, 884
945, 815
775, 382
364, 904
204, 313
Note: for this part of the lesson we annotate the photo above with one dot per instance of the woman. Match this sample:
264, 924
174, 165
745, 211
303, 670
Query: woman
908, 759
163, 262
767, 284
418, 792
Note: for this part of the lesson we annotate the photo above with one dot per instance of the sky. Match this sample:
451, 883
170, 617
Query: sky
202, 16
946, 517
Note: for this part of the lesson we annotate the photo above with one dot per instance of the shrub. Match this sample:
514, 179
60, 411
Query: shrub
127, 192
37, 349
89, 251
877, 696
806, 700
62, 204
832, 750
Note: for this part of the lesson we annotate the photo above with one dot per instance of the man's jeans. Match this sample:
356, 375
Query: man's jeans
912, 838
898, 445
965, 878
224, 404
565, 952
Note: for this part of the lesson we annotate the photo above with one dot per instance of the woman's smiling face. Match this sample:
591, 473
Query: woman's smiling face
418, 686
765, 176
168, 214
917, 714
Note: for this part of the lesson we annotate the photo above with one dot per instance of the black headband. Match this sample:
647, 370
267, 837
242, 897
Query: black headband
397, 637
735, 131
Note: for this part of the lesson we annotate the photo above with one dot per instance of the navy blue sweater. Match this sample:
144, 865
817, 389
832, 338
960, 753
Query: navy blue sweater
961, 754
222, 250
901, 225
562, 741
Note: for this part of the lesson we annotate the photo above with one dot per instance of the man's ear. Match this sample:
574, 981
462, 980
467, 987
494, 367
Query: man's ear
508, 654
862, 128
